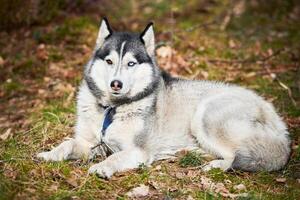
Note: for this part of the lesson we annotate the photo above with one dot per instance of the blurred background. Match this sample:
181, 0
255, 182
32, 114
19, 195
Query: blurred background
44, 45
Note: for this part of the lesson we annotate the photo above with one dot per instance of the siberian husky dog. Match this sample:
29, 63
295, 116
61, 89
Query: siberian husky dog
134, 113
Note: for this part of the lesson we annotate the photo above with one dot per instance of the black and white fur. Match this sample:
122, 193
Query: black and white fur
158, 115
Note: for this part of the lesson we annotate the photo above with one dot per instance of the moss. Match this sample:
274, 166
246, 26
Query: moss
70, 31
206, 195
191, 159
217, 174
12, 86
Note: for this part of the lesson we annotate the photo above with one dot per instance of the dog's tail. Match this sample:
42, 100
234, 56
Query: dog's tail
269, 149
263, 154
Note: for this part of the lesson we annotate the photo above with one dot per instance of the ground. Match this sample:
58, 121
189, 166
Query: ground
255, 44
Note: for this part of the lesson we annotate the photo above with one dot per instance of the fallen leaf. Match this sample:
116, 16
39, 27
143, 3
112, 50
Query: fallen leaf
1, 61
239, 187
218, 188
42, 52
239, 8
158, 167
190, 198
231, 44
164, 51
281, 180
6, 135
250, 75
170, 60
140, 191
10, 172
179, 175
204, 74
72, 181
193, 173
53, 187
154, 184
227, 181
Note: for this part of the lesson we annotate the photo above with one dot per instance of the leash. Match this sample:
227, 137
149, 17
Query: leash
102, 147
108, 118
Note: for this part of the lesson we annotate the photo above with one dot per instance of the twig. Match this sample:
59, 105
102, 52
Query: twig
284, 86
298, 77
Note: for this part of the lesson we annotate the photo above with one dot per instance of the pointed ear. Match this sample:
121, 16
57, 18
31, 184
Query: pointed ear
147, 37
104, 32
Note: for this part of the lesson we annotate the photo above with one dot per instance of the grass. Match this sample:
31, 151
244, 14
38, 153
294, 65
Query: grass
191, 159
39, 107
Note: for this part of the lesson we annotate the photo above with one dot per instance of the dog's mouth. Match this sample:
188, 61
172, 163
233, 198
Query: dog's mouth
116, 94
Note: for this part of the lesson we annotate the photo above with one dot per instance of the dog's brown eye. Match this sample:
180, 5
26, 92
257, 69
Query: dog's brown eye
108, 61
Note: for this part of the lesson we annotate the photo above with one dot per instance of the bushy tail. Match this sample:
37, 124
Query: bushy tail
263, 154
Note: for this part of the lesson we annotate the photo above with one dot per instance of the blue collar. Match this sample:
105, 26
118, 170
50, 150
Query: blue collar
108, 118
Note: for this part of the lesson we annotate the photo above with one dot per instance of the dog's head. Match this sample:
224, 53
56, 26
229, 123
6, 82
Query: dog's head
123, 67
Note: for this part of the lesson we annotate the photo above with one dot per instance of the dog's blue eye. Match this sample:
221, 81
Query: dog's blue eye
130, 64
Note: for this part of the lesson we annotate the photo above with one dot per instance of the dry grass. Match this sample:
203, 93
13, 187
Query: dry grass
41, 69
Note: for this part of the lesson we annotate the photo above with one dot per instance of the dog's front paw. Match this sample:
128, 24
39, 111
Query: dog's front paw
50, 156
102, 170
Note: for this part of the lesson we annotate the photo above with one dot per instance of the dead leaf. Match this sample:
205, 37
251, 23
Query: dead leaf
170, 60
53, 187
64, 88
154, 184
140, 191
239, 187
218, 188
158, 168
72, 181
204, 74
179, 175
164, 52
1, 61
6, 135
250, 75
42, 52
232, 44
281, 180
193, 173
239, 8
190, 198
10, 172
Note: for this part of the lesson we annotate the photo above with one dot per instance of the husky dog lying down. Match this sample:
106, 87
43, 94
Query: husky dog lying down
140, 114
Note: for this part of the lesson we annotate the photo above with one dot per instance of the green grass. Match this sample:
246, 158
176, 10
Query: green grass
191, 159
43, 123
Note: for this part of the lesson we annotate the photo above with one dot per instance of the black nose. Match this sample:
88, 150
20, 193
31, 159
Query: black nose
116, 85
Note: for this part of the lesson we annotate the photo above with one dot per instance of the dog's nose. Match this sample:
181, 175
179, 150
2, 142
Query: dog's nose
116, 85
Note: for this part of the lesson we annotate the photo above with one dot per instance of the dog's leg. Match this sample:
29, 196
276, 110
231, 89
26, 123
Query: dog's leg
212, 135
74, 148
69, 149
120, 161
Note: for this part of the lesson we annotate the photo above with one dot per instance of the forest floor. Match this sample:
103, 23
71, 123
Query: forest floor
41, 68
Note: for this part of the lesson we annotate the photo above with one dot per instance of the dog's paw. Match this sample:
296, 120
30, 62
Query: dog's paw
51, 156
102, 170
221, 164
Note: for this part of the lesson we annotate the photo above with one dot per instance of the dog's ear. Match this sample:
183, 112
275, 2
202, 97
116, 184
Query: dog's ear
147, 37
104, 32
